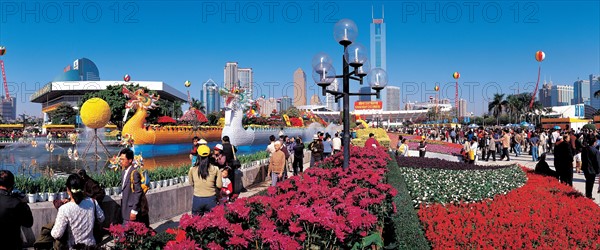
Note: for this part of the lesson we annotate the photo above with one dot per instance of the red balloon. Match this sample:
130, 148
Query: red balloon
126, 78
540, 55
456, 75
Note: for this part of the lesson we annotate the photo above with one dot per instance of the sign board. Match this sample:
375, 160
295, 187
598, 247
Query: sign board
364, 105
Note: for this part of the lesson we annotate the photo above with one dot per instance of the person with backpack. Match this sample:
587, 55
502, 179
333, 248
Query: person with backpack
206, 180
134, 205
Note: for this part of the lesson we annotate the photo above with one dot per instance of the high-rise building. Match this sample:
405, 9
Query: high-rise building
285, 103
581, 93
315, 100
364, 90
230, 74
545, 95
392, 98
267, 106
210, 96
8, 108
330, 99
462, 108
561, 95
82, 70
378, 44
246, 80
299, 88
594, 87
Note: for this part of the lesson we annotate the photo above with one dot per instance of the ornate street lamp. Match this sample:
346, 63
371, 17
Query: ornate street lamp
355, 56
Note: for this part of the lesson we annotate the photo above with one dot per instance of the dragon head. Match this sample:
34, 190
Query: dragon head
140, 99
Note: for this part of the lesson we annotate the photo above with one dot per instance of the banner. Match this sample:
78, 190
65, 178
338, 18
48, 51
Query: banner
363, 105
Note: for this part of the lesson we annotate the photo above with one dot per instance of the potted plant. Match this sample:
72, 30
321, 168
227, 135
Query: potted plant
43, 183
52, 189
61, 187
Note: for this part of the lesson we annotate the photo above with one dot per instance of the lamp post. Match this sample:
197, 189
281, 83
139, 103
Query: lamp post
355, 56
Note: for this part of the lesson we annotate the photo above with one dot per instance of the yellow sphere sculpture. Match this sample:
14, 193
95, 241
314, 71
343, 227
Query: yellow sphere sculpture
95, 113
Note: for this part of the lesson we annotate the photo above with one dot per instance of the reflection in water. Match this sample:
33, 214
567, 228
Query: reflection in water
24, 158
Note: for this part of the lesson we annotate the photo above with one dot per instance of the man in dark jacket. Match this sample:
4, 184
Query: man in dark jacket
14, 213
298, 164
563, 160
590, 164
316, 149
229, 153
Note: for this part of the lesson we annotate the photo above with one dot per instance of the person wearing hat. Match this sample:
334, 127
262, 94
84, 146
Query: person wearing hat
206, 179
316, 150
218, 159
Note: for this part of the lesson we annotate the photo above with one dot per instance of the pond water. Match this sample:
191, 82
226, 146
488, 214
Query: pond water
35, 161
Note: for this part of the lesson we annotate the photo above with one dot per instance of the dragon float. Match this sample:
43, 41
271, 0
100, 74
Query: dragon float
144, 136
236, 102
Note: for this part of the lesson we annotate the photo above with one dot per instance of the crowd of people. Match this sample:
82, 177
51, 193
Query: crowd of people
573, 150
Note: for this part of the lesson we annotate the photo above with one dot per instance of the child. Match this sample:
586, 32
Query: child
227, 188
578, 162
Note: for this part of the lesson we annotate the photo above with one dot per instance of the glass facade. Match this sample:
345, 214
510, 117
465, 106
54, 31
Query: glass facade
210, 96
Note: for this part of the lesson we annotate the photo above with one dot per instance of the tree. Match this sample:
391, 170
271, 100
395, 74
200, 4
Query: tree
497, 105
293, 112
198, 105
63, 114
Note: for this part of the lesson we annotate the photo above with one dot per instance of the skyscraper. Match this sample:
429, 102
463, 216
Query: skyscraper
594, 86
286, 103
230, 75
8, 108
462, 108
545, 95
299, 88
581, 93
392, 98
364, 90
245, 77
561, 95
267, 106
378, 44
210, 96
330, 99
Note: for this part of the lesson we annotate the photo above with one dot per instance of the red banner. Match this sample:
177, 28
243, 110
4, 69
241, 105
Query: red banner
363, 105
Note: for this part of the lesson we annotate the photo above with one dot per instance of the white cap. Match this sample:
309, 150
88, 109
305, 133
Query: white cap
219, 147
202, 142
315, 137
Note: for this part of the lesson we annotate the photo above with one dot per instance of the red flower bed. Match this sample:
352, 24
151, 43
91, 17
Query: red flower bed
438, 147
542, 214
324, 208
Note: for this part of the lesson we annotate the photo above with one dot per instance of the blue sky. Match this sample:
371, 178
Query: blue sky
492, 44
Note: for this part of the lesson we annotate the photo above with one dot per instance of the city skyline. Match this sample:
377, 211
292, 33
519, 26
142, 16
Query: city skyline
172, 43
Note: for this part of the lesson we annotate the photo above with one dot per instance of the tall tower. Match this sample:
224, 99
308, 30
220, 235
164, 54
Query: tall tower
230, 74
392, 98
299, 88
246, 78
378, 45
210, 96
330, 99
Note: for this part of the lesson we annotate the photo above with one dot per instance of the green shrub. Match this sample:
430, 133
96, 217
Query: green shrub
407, 230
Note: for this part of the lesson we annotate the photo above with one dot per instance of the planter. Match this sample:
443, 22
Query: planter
171, 182
116, 190
165, 183
31, 198
51, 197
153, 184
108, 191
158, 184
42, 197
187, 179
62, 195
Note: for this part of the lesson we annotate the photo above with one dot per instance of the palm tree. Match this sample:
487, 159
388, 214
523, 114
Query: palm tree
198, 105
496, 105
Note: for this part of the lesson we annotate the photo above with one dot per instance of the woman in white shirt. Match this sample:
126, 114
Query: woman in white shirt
473, 148
77, 216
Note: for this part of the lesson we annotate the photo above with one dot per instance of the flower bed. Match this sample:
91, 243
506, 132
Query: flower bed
542, 214
440, 181
445, 148
324, 208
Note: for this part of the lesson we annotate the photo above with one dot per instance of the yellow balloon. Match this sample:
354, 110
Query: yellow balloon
95, 113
